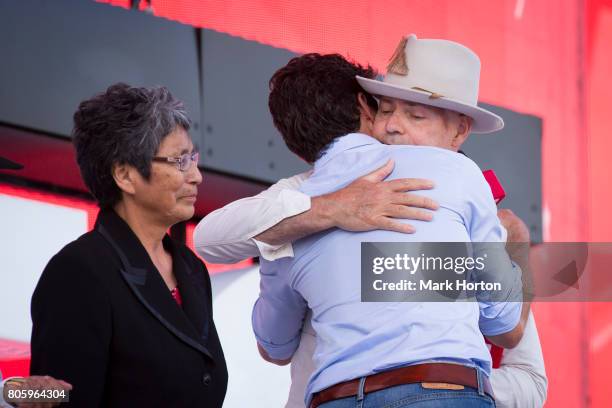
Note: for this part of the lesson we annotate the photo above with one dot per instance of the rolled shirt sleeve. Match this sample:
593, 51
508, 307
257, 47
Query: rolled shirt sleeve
274, 342
227, 235
279, 312
500, 311
499, 317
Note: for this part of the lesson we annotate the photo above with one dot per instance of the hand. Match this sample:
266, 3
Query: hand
37, 383
369, 203
517, 230
517, 246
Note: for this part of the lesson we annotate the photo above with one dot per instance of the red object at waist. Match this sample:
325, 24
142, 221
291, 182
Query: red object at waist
496, 353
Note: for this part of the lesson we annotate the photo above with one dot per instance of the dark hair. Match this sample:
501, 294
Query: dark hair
313, 100
124, 125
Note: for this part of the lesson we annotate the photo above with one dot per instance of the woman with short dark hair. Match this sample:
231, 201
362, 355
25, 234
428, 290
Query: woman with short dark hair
124, 313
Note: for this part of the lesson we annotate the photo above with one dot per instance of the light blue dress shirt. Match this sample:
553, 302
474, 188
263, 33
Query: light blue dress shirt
356, 339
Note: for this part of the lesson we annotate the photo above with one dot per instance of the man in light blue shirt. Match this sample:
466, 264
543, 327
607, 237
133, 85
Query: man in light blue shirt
354, 339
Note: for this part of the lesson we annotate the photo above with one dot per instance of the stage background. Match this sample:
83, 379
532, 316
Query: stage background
547, 60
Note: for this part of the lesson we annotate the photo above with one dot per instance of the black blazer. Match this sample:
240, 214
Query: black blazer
104, 320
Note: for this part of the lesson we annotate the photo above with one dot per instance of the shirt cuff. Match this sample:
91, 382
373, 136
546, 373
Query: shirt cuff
279, 351
506, 321
293, 203
261, 324
274, 252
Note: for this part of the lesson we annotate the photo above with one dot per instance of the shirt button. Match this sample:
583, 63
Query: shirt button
206, 379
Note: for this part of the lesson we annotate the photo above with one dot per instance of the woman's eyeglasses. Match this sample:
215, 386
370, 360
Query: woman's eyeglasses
183, 162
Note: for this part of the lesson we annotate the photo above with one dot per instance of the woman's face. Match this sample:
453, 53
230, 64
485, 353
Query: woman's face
170, 193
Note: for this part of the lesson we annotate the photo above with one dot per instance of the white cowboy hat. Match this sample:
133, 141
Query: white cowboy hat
438, 73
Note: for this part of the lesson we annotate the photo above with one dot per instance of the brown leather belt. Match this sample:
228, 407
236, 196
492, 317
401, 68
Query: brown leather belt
420, 373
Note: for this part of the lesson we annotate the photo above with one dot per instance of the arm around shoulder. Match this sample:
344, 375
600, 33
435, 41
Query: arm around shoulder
227, 235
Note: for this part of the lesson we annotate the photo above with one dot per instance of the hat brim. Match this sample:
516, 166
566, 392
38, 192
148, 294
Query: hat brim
484, 120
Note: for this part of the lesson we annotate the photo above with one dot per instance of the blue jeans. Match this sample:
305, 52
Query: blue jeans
414, 396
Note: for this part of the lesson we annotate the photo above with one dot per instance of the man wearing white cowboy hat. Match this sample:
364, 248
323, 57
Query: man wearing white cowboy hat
442, 115
437, 73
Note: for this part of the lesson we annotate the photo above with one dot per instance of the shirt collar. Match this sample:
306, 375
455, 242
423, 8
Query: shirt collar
341, 144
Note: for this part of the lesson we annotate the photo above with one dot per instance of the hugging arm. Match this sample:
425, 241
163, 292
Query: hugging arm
266, 224
502, 322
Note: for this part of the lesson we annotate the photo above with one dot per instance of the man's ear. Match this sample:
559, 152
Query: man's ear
365, 108
123, 175
463, 131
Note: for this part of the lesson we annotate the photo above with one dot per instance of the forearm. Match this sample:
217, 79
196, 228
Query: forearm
281, 215
363, 205
318, 218
517, 249
519, 253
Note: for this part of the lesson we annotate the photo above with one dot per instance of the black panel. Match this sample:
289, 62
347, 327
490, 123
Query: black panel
56, 53
49, 161
515, 153
238, 134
